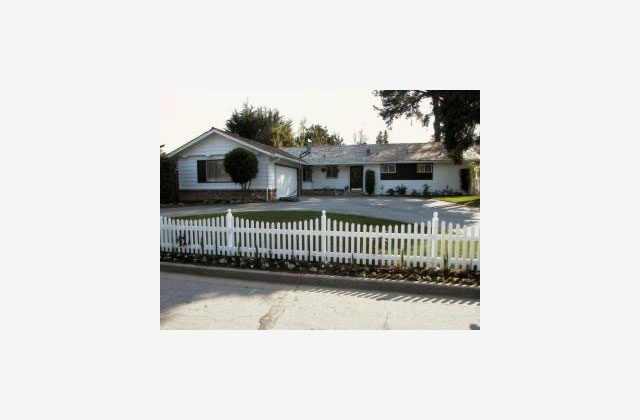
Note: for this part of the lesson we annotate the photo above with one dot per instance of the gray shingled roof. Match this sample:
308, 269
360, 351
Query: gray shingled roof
376, 153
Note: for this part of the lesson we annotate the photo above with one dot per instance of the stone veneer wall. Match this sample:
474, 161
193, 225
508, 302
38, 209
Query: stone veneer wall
211, 195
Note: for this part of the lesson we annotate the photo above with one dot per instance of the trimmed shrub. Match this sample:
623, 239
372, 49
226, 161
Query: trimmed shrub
168, 181
401, 189
242, 167
370, 181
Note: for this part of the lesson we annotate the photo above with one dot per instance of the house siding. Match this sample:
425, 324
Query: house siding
214, 147
320, 181
445, 174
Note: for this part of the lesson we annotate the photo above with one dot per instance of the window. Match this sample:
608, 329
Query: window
331, 172
216, 172
388, 168
306, 173
425, 168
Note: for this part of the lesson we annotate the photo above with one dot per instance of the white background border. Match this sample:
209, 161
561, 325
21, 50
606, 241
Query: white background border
80, 89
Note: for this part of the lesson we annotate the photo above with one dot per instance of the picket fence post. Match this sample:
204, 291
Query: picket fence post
230, 232
434, 241
323, 235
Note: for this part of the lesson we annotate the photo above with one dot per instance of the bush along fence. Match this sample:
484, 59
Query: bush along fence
433, 244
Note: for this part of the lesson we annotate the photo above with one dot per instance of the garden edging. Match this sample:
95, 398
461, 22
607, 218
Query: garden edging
346, 282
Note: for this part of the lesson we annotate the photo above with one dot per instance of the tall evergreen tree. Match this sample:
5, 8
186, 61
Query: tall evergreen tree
317, 135
262, 124
455, 114
382, 138
360, 138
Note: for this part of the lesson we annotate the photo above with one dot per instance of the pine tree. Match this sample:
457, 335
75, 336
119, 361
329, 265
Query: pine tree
360, 138
382, 138
455, 114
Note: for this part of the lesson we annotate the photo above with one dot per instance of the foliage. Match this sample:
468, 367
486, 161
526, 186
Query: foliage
370, 181
391, 191
414, 193
382, 138
445, 192
455, 114
168, 180
401, 189
317, 135
242, 167
465, 179
402, 272
262, 124
425, 190
360, 138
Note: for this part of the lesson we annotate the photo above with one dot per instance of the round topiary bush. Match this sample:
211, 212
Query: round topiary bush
242, 167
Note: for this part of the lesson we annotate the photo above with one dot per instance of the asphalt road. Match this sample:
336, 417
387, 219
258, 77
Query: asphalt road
404, 209
196, 302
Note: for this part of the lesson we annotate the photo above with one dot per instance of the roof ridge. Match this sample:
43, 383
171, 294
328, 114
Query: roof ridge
255, 143
362, 145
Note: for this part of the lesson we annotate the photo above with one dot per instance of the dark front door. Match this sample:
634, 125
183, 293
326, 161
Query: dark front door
356, 177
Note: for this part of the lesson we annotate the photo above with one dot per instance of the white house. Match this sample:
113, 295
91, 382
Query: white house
410, 164
288, 171
201, 174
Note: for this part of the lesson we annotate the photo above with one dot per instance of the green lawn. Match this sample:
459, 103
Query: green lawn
298, 215
467, 200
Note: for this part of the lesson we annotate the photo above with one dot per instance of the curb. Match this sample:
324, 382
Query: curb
343, 282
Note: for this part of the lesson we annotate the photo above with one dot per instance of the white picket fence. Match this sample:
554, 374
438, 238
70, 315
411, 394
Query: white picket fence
430, 244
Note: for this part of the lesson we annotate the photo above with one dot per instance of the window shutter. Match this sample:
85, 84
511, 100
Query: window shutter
202, 171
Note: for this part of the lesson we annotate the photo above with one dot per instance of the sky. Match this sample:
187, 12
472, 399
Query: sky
186, 114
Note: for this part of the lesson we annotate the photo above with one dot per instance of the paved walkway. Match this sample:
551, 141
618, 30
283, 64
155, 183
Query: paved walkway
195, 302
406, 209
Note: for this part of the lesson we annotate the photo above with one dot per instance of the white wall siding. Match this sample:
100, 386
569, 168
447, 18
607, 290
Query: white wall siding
270, 168
320, 180
445, 174
215, 147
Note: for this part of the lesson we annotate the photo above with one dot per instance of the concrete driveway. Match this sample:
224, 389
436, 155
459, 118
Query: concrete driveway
405, 209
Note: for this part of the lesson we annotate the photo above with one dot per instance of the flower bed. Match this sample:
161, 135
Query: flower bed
434, 275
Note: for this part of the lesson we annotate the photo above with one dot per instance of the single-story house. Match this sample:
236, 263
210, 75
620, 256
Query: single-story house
289, 171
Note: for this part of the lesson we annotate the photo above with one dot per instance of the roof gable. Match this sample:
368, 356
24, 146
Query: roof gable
268, 150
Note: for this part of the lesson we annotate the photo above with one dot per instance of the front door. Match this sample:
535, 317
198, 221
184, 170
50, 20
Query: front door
356, 178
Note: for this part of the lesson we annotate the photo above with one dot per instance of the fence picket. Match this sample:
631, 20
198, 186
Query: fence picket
370, 239
383, 246
376, 237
